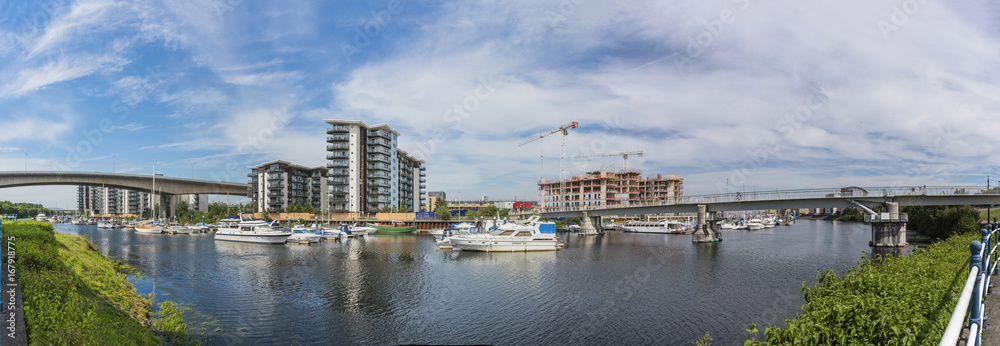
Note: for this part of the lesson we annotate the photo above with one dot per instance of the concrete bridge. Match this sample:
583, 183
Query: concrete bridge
889, 227
166, 187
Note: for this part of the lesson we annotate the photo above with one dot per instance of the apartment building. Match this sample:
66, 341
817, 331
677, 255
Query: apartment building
276, 185
107, 200
368, 171
610, 189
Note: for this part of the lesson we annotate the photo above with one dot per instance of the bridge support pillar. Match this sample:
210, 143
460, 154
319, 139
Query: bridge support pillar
590, 225
706, 231
889, 229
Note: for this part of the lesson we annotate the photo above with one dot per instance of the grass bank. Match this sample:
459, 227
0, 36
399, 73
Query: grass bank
885, 301
72, 293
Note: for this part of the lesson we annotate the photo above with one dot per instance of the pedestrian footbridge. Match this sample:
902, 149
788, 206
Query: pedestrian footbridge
888, 227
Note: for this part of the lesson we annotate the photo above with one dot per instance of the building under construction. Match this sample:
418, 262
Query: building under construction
610, 189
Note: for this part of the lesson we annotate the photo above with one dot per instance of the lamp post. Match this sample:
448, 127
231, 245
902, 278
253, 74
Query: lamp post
113, 163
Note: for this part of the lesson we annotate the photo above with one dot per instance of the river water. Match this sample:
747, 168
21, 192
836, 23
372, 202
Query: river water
619, 288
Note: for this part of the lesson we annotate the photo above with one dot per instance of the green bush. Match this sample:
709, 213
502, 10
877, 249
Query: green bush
941, 222
851, 215
883, 301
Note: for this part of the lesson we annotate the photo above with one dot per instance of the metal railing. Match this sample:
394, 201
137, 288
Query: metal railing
982, 264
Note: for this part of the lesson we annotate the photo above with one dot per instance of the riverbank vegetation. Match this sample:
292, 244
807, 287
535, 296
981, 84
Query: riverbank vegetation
23, 210
72, 294
882, 301
940, 222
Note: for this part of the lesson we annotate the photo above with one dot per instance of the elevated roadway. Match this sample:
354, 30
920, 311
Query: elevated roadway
139, 182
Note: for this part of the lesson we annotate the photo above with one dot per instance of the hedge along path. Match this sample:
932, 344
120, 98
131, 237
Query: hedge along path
884, 300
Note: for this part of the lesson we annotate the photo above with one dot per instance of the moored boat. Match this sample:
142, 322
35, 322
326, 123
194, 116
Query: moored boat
531, 235
392, 229
149, 228
302, 235
755, 224
252, 230
664, 227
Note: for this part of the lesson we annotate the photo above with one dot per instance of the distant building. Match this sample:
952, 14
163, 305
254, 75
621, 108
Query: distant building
106, 200
196, 202
610, 189
368, 171
276, 185
433, 197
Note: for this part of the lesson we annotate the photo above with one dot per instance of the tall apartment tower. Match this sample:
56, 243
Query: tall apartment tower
368, 171
277, 184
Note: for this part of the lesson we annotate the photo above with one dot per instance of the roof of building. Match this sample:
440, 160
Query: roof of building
382, 126
288, 164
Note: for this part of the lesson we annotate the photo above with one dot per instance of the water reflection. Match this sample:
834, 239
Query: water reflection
385, 289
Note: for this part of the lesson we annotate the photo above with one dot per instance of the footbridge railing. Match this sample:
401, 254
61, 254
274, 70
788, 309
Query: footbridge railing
972, 302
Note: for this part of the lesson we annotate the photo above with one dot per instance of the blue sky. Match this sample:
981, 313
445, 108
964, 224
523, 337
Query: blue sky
762, 94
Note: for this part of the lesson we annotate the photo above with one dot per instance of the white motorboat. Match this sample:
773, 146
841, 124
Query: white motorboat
360, 229
105, 225
150, 228
727, 225
755, 224
252, 230
530, 235
768, 222
574, 228
303, 235
664, 227
456, 229
40, 217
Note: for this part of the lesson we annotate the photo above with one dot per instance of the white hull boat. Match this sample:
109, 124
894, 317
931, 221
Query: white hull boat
662, 227
250, 230
755, 224
149, 229
304, 236
511, 237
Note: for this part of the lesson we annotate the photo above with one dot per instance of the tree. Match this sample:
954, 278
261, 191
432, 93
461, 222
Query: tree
386, 209
441, 210
403, 209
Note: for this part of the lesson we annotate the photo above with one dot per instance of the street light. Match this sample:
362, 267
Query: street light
113, 163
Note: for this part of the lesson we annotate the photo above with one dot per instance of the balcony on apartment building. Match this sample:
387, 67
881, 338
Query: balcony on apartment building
337, 155
337, 128
378, 158
379, 150
337, 164
379, 141
380, 166
338, 146
340, 172
379, 133
337, 138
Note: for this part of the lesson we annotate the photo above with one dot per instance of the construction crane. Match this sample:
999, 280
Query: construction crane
562, 154
624, 155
